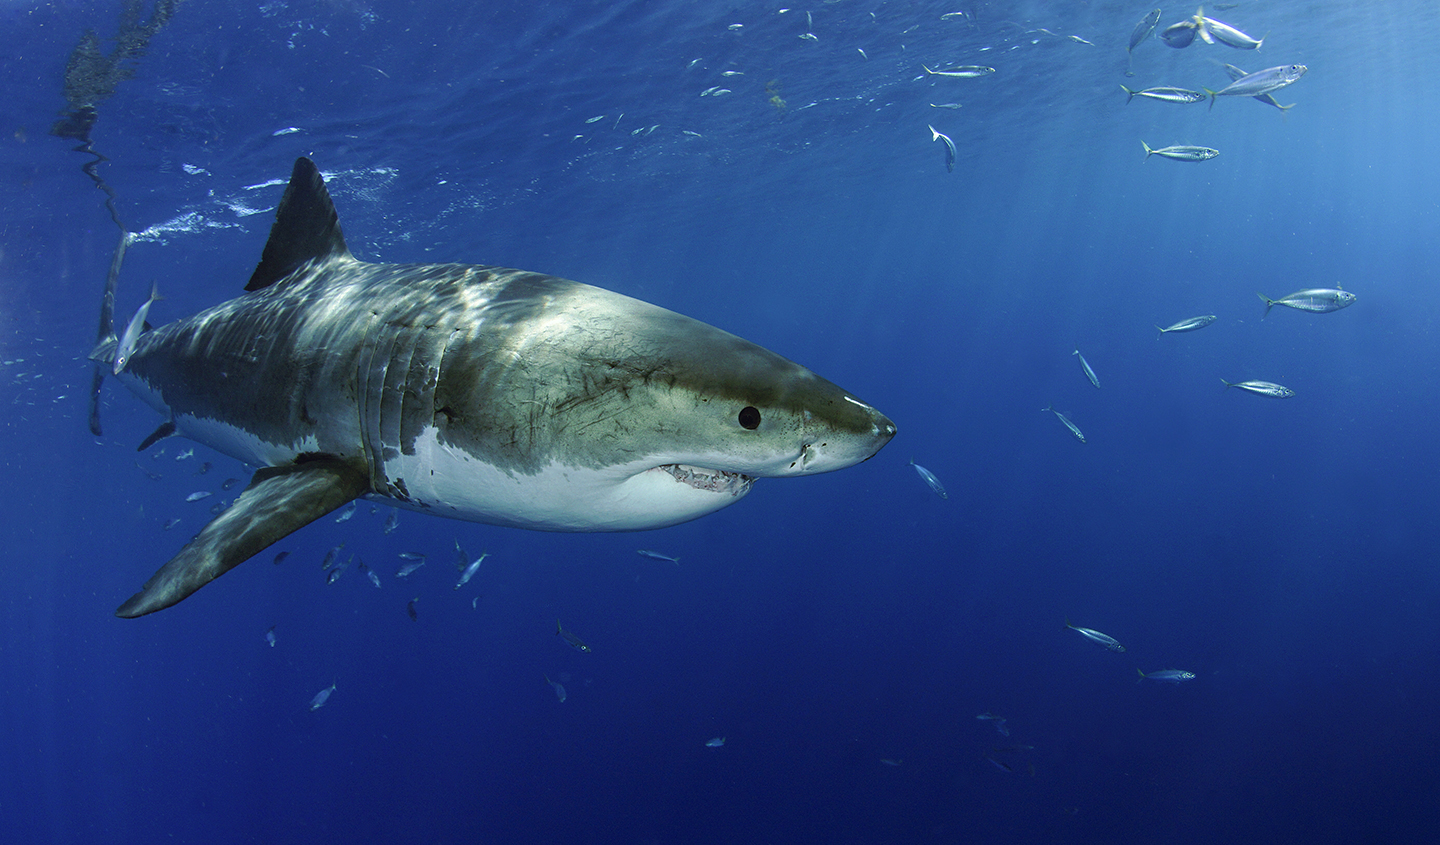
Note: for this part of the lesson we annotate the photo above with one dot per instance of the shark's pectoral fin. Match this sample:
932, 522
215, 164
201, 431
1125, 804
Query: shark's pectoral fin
279, 501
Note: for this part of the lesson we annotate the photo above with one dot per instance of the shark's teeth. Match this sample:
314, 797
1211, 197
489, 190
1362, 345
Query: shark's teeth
716, 480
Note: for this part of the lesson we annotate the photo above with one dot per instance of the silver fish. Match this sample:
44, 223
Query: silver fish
1314, 300
1267, 99
270, 636
1168, 95
1213, 30
716, 742
1172, 676
949, 148
198, 495
280, 557
469, 571
407, 568
1189, 325
321, 697
1260, 82
944, 106
1179, 35
338, 570
330, 556
133, 331
1095, 636
569, 637
1181, 152
1064, 419
654, 555
930, 480
559, 690
1085, 365
392, 521
410, 609
171, 523
962, 72
1143, 29
1261, 388
346, 512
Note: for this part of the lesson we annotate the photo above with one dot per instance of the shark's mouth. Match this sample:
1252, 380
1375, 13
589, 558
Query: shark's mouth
713, 480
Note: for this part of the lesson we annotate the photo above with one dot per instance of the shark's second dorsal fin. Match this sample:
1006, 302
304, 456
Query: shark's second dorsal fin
306, 227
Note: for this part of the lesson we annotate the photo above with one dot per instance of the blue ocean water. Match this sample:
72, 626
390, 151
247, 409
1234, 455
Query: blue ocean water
841, 632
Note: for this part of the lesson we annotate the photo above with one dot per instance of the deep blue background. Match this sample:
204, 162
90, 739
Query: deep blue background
1280, 549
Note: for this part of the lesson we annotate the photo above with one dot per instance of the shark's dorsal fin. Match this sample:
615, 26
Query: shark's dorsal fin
306, 228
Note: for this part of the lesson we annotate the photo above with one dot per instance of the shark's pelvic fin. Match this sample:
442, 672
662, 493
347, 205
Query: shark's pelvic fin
279, 501
306, 228
166, 429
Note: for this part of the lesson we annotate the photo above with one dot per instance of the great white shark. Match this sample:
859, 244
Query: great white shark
466, 391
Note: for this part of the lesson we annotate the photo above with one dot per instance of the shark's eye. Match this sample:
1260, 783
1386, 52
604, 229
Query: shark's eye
749, 417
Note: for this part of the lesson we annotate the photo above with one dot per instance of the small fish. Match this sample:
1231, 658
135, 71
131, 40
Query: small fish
930, 480
370, 573
599, 117
1066, 420
338, 570
890, 761
1179, 35
1261, 388
198, 495
559, 690
574, 641
1095, 636
392, 521
1085, 365
999, 721
732, 73
1190, 325
1314, 300
475, 603
280, 558
949, 148
321, 697
952, 16
809, 36
188, 453
150, 474
1143, 29
170, 523
1012, 749
1213, 30
410, 609
228, 483
654, 555
469, 572
715, 742
998, 764
270, 637
1260, 82
1181, 152
411, 556
126, 347
1166, 95
862, 54
1078, 40
330, 556
962, 72
203, 468
1171, 676
944, 106
407, 568
1267, 99
734, 27
348, 512
218, 508
691, 134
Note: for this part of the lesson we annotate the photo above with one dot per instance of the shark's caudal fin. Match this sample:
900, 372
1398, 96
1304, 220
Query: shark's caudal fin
306, 228
279, 501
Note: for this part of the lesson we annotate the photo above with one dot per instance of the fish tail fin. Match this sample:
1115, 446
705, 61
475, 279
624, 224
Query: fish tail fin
927, 70
1162, 333
1269, 303
1261, 42
1050, 407
1148, 152
1212, 97
1228, 384
558, 628
106, 331
1129, 95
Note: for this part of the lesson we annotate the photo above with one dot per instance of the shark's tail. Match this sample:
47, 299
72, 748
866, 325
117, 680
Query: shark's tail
106, 332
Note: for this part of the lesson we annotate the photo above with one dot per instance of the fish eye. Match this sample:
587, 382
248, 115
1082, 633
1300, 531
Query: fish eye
749, 418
